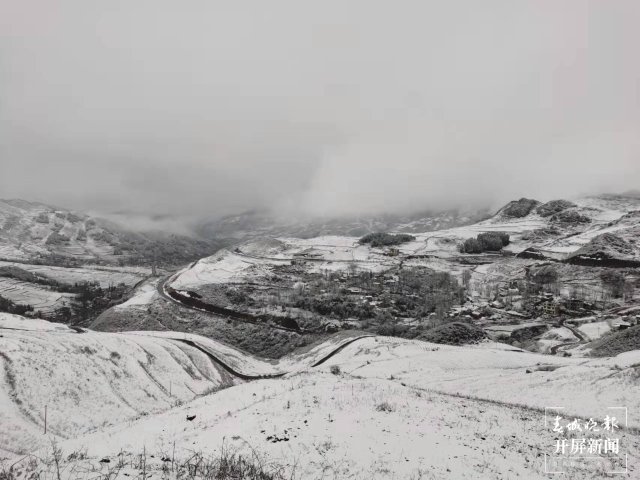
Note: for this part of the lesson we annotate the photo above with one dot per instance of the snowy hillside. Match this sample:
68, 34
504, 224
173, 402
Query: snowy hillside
89, 379
553, 237
30, 231
554, 234
258, 224
452, 407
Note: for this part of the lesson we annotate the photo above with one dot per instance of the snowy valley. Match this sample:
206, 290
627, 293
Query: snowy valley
313, 358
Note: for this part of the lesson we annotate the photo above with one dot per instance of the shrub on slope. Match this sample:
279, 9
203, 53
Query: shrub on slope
382, 239
616, 343
519, 208
8, 306
607, 250
570, 217
554, 207
455, 333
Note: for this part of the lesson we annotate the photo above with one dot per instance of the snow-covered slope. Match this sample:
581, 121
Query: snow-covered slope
89, 380
558, 235
30, 230
378, 407
395, 409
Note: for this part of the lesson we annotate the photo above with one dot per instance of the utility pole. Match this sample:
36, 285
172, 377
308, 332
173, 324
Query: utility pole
154, 271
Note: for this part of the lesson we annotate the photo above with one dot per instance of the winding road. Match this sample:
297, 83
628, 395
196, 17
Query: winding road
244, 376
582, 338
161, 289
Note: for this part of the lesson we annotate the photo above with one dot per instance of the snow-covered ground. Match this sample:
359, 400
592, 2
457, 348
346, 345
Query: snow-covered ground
581, 386
595, 330
142, 297
327, 426
379, 408
397, 409
89, 380
16, 322
250, 365
223, 267
553, 337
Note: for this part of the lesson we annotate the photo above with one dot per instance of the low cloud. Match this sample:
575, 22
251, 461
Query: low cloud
161, 108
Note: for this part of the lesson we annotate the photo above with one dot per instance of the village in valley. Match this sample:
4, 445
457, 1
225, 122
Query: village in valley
430, 286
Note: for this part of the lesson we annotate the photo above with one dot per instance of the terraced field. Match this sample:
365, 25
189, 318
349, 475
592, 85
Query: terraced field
104, 275
40, 298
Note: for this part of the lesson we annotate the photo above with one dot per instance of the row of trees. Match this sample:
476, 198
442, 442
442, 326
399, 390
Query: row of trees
613, 282
8, 306
90, 300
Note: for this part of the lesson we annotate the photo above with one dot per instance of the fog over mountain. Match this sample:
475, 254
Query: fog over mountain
209, 108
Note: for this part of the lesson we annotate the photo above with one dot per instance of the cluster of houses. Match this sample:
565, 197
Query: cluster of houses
510, 305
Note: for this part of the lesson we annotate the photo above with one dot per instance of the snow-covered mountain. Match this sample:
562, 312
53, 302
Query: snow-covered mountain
34, 231
256, 224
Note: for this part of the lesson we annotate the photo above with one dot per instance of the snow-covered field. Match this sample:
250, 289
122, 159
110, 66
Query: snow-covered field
326, 426
40, 298
142, 296
595, 330
89, 380
489, 371
553, 337
223, 267
398, 409
103, 275
28, 226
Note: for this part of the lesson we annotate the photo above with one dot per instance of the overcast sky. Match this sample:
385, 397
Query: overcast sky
329, 106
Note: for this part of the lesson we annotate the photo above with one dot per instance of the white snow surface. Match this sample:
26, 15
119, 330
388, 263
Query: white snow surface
595, 330
395, 408
89, 380
142, 297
